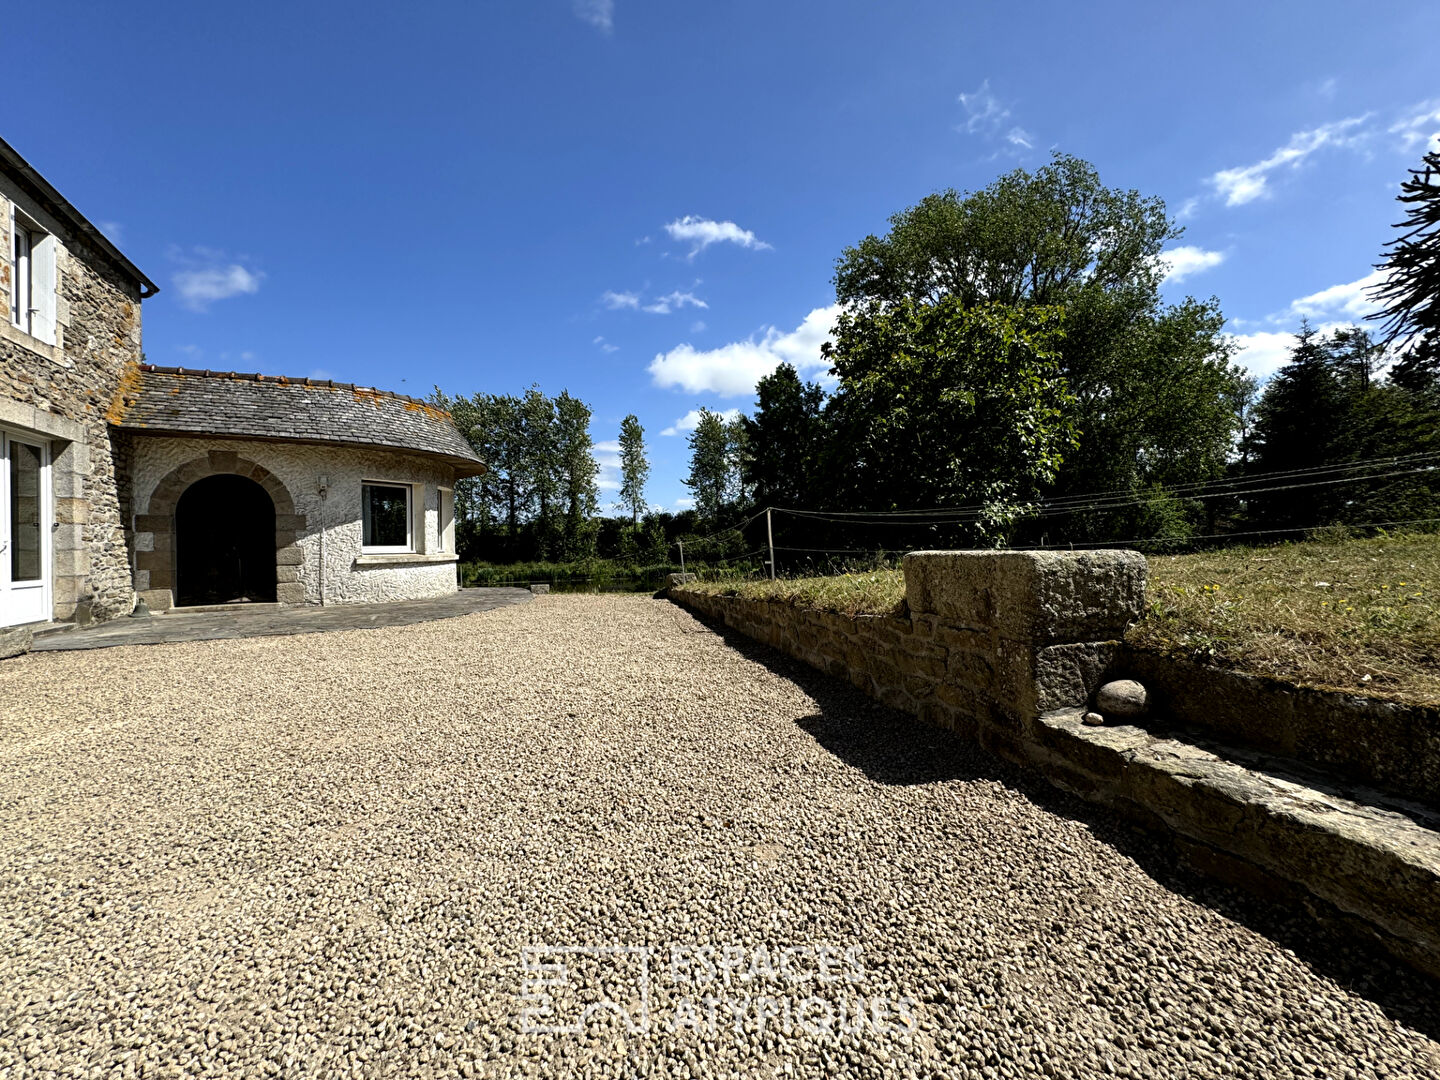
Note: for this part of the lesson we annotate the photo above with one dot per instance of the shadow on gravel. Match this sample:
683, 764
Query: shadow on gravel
891, 747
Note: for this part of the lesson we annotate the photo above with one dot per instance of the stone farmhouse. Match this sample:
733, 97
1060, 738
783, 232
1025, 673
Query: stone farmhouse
120, 480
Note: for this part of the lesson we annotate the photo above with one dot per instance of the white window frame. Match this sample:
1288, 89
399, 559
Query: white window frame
33, 277
389, 549
445, 519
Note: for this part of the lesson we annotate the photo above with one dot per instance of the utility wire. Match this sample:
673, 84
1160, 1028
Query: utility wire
1048, 511
1230, 485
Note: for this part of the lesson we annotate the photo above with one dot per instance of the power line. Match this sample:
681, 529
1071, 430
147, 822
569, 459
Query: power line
1105, 499
1046, 510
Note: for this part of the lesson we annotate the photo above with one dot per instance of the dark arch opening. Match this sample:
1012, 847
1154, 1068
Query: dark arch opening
224, 542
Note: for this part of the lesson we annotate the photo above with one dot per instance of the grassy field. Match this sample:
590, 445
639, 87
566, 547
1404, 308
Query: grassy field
1360, 616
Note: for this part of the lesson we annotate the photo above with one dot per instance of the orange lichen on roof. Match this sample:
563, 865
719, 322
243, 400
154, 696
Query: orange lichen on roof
432, 411
374, 397
126, 391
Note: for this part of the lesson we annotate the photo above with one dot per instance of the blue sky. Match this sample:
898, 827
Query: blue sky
642, 200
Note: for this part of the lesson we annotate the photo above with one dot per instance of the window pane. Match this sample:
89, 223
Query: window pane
386, 516
25, 517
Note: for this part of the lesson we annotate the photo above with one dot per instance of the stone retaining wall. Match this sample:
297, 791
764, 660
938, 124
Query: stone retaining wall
992, 639
1009, 648
1376, 742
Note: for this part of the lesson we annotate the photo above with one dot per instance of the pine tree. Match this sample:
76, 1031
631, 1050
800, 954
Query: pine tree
1297, 424
1411, 292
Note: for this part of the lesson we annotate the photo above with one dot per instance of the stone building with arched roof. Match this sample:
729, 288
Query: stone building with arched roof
122, 480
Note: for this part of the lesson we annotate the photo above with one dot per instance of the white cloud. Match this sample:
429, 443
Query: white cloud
607, 456
983, 112
700, 233
1421, 128
698, 326
685, 502
691, 420
733, 369
1348, 301
988, 117
113, 230
598, 13
674, 302
1182, 262
207, 275
677, 300
1263, 353
1249, 182
615, 301
605, 346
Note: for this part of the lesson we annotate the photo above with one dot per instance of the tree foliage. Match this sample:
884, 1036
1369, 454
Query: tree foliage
1411, 290
717, 457
1155, 395
634, 468
538, 496
785, 437
1328, 406
944, 404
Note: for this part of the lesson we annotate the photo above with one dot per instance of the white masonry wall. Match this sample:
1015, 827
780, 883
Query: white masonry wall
350, 575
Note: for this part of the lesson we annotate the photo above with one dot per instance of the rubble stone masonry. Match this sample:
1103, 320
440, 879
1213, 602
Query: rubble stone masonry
62, 392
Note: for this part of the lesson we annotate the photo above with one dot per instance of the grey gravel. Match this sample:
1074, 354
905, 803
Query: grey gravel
325, 854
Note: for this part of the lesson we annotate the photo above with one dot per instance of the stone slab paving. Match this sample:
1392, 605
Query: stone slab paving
270, 621
432, 850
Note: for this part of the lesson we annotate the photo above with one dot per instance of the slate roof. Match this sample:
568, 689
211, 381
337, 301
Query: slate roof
185, 401
38, 188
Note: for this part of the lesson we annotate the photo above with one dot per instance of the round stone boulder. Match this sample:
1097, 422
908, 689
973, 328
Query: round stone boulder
1123, 698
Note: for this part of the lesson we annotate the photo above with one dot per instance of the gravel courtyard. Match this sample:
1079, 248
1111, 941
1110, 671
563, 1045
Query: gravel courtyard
329, 854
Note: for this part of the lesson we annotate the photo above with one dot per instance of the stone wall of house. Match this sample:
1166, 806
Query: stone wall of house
349, 575
61, 392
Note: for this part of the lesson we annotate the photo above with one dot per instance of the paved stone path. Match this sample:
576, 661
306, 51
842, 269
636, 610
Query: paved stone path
240, 622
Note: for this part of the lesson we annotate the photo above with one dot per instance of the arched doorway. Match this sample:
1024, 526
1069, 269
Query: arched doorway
224, 542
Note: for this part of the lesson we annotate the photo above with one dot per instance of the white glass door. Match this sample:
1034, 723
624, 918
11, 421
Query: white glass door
24, 531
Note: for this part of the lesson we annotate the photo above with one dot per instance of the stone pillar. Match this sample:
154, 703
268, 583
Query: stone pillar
1024, 632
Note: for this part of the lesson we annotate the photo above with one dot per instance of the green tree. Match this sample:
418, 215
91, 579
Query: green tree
1418, 370
713, 468
785, 436
1154, 391
495, 504
575, 458
1328, 407
1411, 289
541, 468
634, 468
940, 403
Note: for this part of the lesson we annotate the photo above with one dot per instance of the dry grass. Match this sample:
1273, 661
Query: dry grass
874, 592
1360, 616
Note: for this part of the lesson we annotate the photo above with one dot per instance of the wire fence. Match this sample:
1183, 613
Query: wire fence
715, 556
